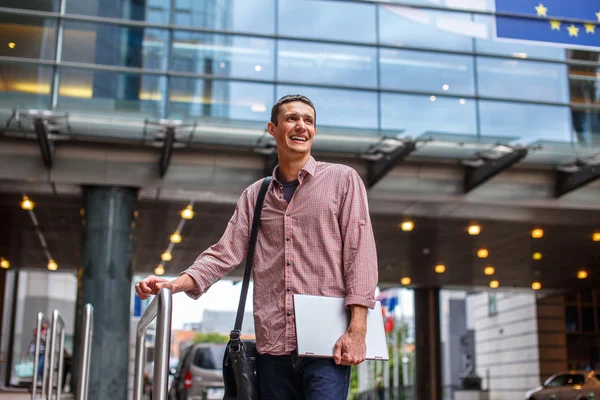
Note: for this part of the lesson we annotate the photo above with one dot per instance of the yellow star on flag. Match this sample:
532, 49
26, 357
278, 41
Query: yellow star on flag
543, 11
590, 28
573, 30
555, 25
598, 16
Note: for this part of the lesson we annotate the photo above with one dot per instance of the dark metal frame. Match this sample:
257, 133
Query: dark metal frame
568, 181
382, 162
490, 167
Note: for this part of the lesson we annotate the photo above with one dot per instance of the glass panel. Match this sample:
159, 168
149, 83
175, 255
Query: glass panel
422, 71
155, 11
24, 86
572, 319
587, 296
487, 43
587, 319
478, 5
109, 92
27, 37
337, 107
202, 98
583, 86
115, 45
416, 115
525, 122
326, 64
334, 20
523, 80
223, 55
405, 26
256, 16
38, 5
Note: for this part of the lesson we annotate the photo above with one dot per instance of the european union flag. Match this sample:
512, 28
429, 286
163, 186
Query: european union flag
548, 23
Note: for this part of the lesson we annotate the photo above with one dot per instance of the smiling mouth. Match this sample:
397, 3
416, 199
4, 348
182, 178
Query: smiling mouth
299, 139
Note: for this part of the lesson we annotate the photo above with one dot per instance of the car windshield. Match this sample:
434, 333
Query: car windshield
210, 357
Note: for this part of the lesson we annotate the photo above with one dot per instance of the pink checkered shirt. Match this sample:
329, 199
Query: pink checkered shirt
321, 243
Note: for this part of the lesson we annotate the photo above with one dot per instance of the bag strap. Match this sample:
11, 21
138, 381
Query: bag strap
235, 333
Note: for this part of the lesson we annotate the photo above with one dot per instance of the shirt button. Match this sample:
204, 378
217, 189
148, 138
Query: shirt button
288, 263
289, 314
287, 214
289, 289
287, 239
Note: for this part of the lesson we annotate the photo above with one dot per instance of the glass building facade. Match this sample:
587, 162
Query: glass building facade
408, 68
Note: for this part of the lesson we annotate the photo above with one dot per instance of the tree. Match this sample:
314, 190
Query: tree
210, 337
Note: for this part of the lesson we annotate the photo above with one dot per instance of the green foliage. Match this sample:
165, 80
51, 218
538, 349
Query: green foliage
210, 337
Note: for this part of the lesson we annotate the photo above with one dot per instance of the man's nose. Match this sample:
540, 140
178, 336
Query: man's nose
300, 125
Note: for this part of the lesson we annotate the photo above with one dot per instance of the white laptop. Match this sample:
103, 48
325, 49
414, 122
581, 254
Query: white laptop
320, 321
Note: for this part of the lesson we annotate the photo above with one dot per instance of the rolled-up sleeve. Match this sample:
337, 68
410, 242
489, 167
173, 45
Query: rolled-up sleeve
359, 252
221, 258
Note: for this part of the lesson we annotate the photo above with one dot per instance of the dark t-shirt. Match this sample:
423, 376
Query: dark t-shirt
288, 189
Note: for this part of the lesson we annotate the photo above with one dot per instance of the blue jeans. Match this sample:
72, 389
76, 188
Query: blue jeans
297, 378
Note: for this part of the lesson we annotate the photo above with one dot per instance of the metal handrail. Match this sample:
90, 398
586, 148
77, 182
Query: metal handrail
83, 376
161, 308
57, 322
36, 360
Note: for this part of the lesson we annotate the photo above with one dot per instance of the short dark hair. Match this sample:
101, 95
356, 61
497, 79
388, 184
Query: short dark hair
288, 99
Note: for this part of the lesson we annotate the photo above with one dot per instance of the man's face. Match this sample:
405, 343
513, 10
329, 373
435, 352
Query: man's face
295, 129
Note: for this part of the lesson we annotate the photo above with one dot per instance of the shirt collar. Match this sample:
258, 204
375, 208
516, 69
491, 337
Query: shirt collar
310, 167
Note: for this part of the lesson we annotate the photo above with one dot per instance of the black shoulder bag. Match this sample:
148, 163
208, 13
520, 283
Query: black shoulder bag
239, 364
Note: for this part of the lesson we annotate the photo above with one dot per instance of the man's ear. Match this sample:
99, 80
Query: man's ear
271, 128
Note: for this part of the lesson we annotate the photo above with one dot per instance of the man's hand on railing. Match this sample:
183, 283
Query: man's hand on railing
151, 286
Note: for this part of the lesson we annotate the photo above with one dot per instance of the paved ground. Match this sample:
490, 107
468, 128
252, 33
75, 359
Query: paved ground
20, 395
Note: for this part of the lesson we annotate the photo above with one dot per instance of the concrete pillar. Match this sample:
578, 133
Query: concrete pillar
104, 280
428, 378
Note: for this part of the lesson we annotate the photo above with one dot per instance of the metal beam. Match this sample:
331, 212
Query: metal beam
380, 167
477, 175
167, 151
46, 148
569, 181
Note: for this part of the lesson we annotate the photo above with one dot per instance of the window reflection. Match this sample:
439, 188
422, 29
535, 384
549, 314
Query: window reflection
27, 37
25, 86
334, 20
585, 96
103, 91
256, 16
422, 71
115, 45
155, 11
338, 108
513, 48
36, 5
415, 115
207, 98
525, 123
523, 80
308, 62
406, 26
223, 55
478, 5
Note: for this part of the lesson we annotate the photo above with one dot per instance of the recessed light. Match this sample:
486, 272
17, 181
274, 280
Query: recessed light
494, 284
582, 274
166, 256
407, 226
596, 237
536, 285
489, 270
474, 230
432, 98
175, 238
257, 68
537, 233
4, 263
187, 213
405, 281
52, 266
27, 204
537, 256
159, 270
445, 87
482, 253
12, 45
440, 268
462, 101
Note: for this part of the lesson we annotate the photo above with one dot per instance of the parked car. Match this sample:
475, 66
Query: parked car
568, 385
199, 375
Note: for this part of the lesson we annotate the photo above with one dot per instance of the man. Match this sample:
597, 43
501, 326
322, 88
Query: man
315, 238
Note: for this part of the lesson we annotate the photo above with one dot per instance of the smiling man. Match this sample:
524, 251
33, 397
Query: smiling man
315, 238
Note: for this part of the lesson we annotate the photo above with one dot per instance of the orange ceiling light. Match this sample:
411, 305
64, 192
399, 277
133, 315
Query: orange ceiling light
489, 270
440, 268
494, 284
483, 253
407, 226
537, 233
537, 256
405, 281
596, 237
474, 230
536, 285
582, 274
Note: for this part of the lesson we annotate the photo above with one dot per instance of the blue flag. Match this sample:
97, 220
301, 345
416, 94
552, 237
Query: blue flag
570, 22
